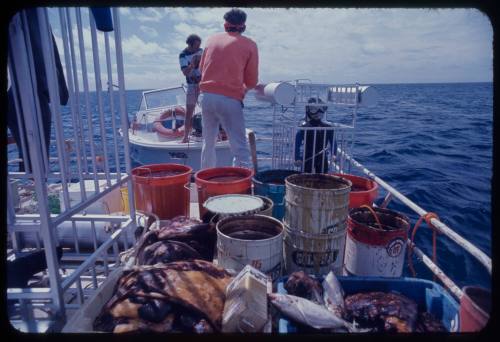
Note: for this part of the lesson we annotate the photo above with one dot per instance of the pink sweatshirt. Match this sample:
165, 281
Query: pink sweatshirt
229, 65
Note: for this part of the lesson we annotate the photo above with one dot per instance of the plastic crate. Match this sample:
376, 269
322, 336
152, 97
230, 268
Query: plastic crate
428, 295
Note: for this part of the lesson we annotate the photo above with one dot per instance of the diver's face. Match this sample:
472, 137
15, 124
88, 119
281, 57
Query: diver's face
316, 116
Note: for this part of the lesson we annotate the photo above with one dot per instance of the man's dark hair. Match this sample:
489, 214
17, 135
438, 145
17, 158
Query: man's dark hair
235, 17
192, 38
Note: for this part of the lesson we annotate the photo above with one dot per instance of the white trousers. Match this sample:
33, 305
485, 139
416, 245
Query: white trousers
219, 109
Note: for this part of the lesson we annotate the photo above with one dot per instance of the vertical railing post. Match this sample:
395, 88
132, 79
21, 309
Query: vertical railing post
98, 89
123, 110
112, 103
83, 61
74, 109
52, 82
18, 46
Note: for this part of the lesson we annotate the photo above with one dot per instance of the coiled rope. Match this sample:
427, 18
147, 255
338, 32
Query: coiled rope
427, 217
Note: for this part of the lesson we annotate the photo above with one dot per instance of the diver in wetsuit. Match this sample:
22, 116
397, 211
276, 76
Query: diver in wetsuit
316, 154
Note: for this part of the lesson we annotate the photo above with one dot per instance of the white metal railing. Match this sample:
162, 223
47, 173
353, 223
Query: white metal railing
88, 139
441, 227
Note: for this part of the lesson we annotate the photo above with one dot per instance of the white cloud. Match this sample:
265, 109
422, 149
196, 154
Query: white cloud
138, 48
322, 44
149, 14
178, 13
125, 11
149, 31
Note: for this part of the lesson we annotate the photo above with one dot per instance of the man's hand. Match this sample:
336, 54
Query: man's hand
196, 61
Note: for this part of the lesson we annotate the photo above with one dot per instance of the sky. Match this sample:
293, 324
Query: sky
325, 45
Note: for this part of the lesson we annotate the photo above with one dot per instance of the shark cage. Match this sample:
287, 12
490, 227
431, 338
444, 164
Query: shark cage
67, 226
314, 124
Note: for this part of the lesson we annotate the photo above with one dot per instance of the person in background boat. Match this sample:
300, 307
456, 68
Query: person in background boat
189, 59
316, 150
42, 89
229, 68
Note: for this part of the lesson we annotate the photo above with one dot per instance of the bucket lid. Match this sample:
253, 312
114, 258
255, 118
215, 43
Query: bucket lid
234, 204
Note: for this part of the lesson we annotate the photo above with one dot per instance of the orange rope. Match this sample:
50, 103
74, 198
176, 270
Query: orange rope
427, 217
373, 213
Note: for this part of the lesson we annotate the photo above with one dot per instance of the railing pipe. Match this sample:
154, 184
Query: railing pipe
69, 75
112, 102
52, 81
87, 99
123, 108
98, 88
441, 227
79, 122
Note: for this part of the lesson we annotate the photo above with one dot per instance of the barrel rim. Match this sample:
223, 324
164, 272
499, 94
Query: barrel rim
250, 211
246, 217
473, 303
361, 192
261, 173
385, 211
321, 175
266, 201
201, 181
141, 178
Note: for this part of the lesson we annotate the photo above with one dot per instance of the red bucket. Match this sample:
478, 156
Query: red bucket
222, 181
162, 189
373, 250
363, 190
475, 308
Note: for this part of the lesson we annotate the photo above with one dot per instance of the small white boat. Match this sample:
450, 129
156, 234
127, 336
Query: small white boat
156, 133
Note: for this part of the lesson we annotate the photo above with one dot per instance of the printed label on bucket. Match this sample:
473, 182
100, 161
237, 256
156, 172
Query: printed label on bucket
370, 260
395, 247
307, 259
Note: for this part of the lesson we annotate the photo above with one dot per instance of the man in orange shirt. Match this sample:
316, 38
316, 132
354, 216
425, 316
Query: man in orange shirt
229, 68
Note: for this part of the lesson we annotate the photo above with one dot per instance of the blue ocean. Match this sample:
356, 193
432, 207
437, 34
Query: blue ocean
432, 142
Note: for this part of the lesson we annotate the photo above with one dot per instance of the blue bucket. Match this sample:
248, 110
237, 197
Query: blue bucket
271, 183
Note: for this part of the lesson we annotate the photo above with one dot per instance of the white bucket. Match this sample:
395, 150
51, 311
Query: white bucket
371, 251
316, 203
255, 240
281, 93
314, 253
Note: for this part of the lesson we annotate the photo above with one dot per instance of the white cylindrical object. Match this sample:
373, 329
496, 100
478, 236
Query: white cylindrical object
264, 253
281, 93
66, 236
368, 96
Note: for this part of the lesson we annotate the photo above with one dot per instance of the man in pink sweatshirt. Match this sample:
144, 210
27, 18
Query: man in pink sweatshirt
229, 68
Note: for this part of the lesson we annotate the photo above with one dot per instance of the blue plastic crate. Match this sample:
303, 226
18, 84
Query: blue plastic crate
428, 295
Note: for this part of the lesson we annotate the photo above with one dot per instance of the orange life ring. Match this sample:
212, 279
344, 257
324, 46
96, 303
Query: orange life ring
169, 132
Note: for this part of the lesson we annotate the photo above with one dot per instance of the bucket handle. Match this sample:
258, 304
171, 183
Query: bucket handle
373, 213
